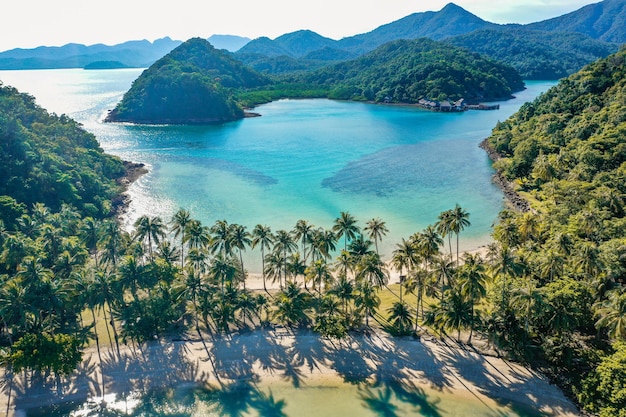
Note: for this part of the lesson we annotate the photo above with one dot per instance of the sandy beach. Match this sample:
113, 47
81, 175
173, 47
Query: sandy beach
432, 368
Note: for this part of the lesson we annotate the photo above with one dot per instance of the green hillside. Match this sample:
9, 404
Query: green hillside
50, 159
405, 71
566, 153
536, 55
192, 84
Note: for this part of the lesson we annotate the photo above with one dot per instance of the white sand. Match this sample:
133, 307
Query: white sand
304, 359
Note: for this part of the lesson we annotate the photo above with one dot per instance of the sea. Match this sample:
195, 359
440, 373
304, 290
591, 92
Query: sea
305, 159
300, 159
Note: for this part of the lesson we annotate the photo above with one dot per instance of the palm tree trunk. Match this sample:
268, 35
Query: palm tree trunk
95, 331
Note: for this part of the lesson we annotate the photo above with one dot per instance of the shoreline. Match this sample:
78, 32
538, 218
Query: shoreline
515, 201
121, 202
264, 358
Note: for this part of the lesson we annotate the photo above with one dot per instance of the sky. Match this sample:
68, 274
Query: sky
32, 23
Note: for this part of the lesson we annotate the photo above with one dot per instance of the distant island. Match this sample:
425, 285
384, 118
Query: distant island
193, 84
198, 84
105, 65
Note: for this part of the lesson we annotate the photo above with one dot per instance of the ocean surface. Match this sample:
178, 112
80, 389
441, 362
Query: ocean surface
301, 159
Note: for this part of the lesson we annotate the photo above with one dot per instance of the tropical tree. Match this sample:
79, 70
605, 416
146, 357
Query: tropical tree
262, 236
366, 299
376, 229
284, 244
400, 317
444, 227
319, 273
151, 229
224, 271
459, 220
221, 242
179, 222
472, 278
292, 305
302, 232
454, 312
611, 314
345, 225
344, 291
372, 269
112, 241
239, 239
90, 230
191, 290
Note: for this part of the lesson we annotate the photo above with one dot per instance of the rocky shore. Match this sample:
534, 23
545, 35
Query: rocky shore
516, 202
133, 170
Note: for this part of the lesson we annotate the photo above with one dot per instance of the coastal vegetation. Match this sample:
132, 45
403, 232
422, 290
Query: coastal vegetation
565, 154
50, 159
196, 83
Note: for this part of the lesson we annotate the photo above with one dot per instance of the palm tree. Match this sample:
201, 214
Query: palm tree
273, 267
221, 242
472, 283
428, 243
366, 299
458, 222
611, 314
319, 273
302, 231
150, 228
112, 240
262, 236
527, 299
416, 284
454, 312
373, 270
345, 225
239, 239
131, 275
197, 236
108, 292
505, 267
180, 220
291, 305
443, 270
193, 288
376, 229
296, 266
224, 271
344, 291
284, 243
400, 317
325, 243
91, 236
444, 226
403, 257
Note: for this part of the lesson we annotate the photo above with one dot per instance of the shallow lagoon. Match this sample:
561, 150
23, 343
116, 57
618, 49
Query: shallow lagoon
302, 159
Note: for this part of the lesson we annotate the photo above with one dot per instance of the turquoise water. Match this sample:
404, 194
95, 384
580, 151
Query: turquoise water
302, 159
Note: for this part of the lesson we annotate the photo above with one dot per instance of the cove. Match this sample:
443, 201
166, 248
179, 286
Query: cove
302, 159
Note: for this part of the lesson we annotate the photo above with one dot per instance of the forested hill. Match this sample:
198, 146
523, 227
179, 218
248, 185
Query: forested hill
191, 84
406, 70
50, 159
536, 55
566, 152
